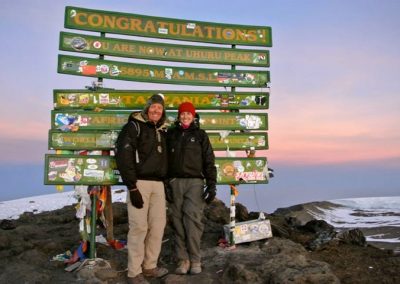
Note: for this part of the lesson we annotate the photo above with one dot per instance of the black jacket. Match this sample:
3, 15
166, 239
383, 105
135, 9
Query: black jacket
190, 154
141, 151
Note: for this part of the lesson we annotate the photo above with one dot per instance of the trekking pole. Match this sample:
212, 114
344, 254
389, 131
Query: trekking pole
93, 218
93, 190
233, 188
232, 223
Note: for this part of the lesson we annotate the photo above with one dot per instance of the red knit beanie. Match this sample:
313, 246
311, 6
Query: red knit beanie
187, 107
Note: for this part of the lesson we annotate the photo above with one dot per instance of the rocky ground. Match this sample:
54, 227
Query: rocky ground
310, 253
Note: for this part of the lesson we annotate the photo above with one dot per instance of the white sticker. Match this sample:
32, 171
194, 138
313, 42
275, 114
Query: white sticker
103, 68
163, 31
104, 99
93, 173
91, 161
97, 44
191, 26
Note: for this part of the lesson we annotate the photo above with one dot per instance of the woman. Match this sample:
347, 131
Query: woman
191, 162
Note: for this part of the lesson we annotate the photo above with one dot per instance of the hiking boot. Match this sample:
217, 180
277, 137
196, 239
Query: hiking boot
183, 267
195, 268
138, 279
155, 272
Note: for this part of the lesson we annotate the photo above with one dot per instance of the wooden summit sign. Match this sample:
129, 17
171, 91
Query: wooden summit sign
102, 170
105, 140
148, 26
119, 70
117, 99
162, 51
92, 119
75, 120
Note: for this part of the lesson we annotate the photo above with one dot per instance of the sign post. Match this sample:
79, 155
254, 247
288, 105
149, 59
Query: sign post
93, 219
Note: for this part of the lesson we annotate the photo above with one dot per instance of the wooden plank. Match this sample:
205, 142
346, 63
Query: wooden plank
136, 99
167, 28
162, 51
241, 170
80, 170
102, 170
239, 141
75, 120
83, 66
108, 214
83, 140
105, 140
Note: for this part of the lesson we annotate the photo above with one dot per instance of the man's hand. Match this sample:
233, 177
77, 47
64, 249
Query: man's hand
209, 193
136, 198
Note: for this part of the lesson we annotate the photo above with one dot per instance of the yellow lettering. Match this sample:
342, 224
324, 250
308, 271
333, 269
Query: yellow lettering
198, 32
135, 25
202, 76
237, 56
176, 101
205, 101
146, 25
125, 47
241, 35
162, 25
95, 20
141, 100
81, 18
127, 100
123, 23
174, 52
109, 22
209, 31
157, 50
174, 29
116, 47
189, 76
252, 35
218, 33
149, 27
228, 34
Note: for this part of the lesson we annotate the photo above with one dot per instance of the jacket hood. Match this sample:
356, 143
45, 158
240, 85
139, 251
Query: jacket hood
139, 116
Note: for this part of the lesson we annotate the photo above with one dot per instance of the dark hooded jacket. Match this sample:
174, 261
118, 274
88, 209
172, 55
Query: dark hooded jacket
190, 153
141, 151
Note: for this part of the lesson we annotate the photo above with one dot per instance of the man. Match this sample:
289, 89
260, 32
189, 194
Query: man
141, 157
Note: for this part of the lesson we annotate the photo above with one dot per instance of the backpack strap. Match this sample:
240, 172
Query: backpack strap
136, 124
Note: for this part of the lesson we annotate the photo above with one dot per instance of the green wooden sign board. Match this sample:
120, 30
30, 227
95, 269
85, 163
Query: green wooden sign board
168, 28
80, 170
83, 140
162, 51
238, 141
241, 170
118, 99
102, 170
105, 140
90, 67
75, 120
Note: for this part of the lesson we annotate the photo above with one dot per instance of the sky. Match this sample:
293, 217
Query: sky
334, 117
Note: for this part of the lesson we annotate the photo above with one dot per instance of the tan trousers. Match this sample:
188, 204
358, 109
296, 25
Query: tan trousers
146, 227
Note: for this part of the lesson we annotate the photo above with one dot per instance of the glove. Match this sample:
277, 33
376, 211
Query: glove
136, 198
209, 193
168, 192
